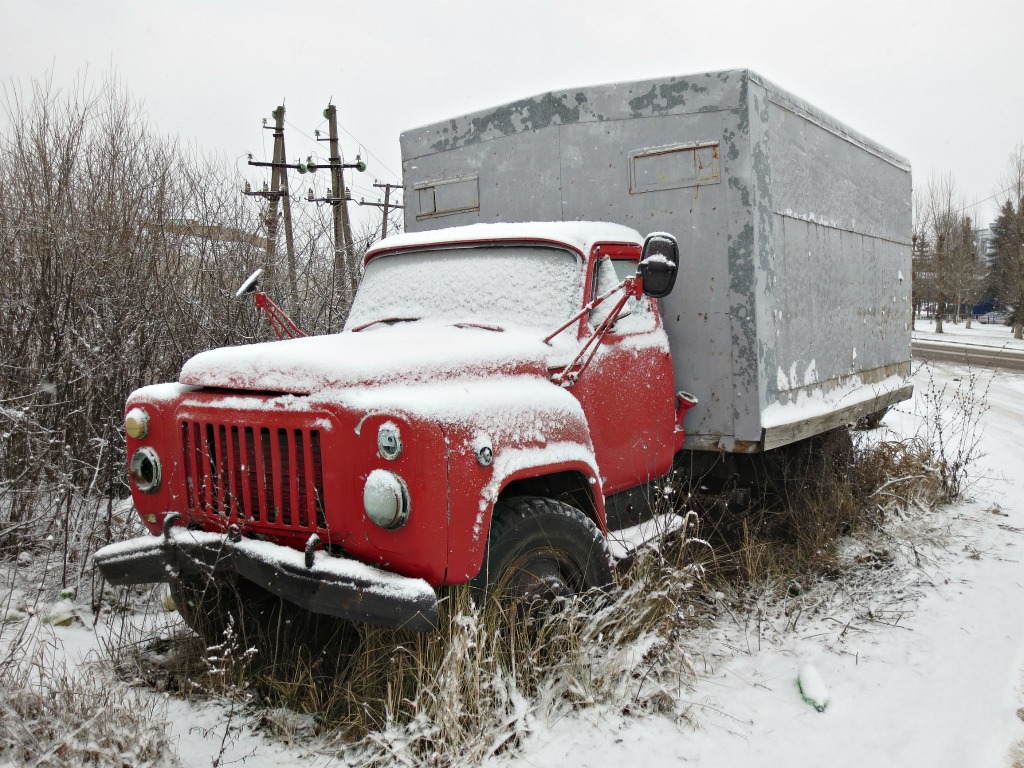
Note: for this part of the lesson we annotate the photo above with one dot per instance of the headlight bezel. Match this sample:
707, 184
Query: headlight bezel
146, 470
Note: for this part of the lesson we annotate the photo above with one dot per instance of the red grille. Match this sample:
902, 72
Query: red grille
271, 476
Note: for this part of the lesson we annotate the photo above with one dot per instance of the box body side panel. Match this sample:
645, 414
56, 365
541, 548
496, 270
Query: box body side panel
833, 265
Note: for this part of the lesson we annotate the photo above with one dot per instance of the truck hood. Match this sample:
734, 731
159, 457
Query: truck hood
406, 352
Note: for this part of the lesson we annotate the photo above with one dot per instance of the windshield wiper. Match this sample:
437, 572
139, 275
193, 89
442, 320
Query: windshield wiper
485, 326
387, 321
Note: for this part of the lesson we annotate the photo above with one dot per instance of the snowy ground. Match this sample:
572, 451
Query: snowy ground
921, 649
1000, 336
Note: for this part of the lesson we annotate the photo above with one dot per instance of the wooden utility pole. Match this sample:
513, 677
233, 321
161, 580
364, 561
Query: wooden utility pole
275, 185
343, 252
289, 244
278, 190
387, 194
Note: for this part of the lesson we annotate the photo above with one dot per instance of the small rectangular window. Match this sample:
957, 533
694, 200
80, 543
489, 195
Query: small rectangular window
674, 167
444, 197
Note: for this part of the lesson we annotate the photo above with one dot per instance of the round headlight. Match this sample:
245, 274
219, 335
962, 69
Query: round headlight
136, 423
145, 470
389, 441
386, 499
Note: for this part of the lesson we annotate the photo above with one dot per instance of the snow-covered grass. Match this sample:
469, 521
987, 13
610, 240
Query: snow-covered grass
981, 334
60, 708
914, 627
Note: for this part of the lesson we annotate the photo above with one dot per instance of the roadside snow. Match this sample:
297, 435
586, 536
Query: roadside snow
998, 336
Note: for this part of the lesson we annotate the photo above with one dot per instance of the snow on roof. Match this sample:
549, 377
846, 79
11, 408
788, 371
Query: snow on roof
582, 235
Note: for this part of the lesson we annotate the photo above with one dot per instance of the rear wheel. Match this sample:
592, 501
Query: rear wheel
540, 549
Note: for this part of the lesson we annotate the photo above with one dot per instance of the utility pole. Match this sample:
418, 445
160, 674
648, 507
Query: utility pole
343, 252
278, 190
275, 185
289, 244
387, 193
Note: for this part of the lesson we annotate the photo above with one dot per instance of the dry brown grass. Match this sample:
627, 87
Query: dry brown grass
829, 487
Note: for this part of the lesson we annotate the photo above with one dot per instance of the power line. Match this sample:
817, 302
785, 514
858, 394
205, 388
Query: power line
979, 202
354, 138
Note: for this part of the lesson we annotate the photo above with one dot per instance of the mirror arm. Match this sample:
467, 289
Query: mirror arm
632, 288
283, 325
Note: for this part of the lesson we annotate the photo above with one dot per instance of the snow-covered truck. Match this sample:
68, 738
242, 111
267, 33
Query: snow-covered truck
503, 394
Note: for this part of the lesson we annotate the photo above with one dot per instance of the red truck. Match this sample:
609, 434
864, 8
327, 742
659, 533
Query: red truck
503, 395
495, 390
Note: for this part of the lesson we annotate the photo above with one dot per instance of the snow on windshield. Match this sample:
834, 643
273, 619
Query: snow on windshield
502, 286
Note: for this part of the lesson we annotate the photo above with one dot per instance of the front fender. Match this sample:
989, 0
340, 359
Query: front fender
529, 426
528, 438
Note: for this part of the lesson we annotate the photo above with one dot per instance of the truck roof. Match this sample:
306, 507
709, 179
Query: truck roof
582, 235
611, 102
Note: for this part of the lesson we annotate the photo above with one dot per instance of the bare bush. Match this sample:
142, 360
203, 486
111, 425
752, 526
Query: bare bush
119, 247
121, 251
951, 429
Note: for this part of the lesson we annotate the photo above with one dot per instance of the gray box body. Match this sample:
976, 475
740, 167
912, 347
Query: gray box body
791, 313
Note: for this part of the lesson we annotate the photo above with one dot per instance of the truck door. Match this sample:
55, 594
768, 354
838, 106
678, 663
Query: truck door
627, 390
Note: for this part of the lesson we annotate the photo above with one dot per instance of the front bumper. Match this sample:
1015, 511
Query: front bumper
318, 582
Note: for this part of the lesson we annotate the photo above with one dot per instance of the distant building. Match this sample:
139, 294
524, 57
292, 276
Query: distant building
983, 240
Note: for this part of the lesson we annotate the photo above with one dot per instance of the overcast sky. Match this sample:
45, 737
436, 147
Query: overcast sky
937, 82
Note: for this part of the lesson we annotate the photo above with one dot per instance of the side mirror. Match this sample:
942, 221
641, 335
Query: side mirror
251, 283
659, 264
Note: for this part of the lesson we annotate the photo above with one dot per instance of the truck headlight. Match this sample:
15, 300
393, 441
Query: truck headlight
136, 423
145, 470
386, 499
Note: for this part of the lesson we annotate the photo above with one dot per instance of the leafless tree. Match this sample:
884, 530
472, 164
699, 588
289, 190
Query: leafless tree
120, 252
949, 258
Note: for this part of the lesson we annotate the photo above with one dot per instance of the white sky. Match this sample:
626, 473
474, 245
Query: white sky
937, 82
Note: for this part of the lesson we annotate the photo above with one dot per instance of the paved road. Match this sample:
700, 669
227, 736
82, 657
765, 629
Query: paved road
974, 355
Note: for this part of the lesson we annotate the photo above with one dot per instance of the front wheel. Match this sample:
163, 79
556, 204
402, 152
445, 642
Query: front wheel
226, 609
542, 549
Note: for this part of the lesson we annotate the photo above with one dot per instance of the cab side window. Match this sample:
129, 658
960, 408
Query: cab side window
636, 316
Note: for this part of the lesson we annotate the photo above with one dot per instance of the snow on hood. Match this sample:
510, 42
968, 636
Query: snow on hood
411, 352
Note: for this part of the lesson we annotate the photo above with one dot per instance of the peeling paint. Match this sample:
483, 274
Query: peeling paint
517, 117
664, 97
737, 183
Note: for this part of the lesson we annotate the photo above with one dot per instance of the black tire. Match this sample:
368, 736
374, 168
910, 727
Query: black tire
542, 549
286, 637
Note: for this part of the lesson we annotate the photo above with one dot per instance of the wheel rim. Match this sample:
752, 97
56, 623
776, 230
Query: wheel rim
543, 574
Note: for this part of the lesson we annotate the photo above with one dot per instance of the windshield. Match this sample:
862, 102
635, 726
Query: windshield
502, 286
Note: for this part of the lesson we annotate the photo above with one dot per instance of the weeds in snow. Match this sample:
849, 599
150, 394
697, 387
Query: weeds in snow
951, 428
51, 715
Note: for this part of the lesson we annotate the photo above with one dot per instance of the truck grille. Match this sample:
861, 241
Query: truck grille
271, 476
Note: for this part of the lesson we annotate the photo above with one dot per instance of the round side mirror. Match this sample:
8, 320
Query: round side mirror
251, 283
659, 264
